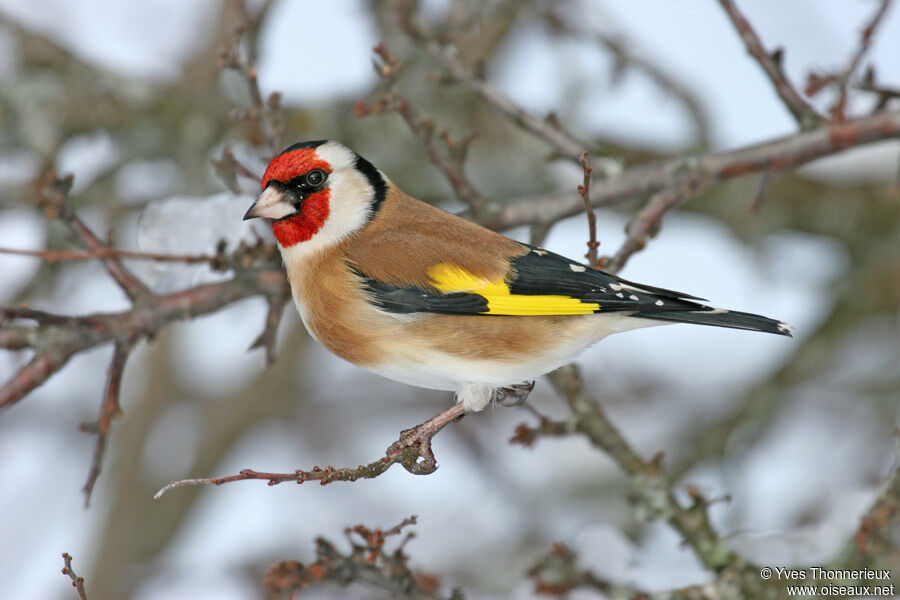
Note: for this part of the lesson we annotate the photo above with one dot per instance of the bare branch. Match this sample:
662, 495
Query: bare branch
584, 190
140, 322
549, 130
625, 56
643, 226
77, 582
53, 256
367, 562
841, 80
109, 410
697, 174
266, 112
450, 158
652, 486
52, 193
412, 451
805, 115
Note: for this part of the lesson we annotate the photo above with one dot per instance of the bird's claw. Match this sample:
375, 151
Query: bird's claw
514, 395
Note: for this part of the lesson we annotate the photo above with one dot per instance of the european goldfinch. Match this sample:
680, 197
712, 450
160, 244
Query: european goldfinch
421, 296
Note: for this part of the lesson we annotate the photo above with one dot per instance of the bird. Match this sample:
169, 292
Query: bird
419, 295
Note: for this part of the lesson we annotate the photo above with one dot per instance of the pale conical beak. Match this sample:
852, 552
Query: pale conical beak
271, 204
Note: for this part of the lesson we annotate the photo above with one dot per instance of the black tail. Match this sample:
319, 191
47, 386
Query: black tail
718, 317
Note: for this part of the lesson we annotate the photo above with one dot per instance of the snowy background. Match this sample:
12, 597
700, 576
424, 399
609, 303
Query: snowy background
798, 481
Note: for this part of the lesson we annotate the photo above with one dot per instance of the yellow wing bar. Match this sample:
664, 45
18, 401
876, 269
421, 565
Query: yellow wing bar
448, 278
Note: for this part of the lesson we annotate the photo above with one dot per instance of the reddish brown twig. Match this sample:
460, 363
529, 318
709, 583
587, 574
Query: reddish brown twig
412, 451
52, 256
138, 323
450, 158
643, 226
805, 115
626, 54
699, 173
265, 112
550, 129
228, 168
842, 81
77, 582
584, 190
366, 562
266, 339
109, 410
52, 193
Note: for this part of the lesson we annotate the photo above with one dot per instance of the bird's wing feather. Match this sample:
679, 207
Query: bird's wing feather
537, 282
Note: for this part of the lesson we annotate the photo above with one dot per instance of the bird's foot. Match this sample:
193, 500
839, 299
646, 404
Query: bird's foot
419, 439
514, 395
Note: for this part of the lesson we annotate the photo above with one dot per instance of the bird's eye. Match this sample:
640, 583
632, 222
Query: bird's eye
315, 178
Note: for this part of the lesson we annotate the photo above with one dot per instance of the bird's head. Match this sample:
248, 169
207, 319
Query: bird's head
318, 192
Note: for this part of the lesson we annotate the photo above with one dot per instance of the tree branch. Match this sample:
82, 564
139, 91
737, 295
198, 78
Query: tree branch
412, 451
805, 115
696, 174
367, 562
77, 582
109, 410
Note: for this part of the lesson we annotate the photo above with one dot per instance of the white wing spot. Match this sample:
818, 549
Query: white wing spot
633, 297
577, 268
620, 295
658, 303
615, 286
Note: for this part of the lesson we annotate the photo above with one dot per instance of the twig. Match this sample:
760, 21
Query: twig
451, 158
412, 451
109, 410
52, 193
228, 168
367, 562
77, 582
805, 115
549, 130
53, 256
139, 322
697, 174
584, 190
838, 111
643, 226
265, 111
654, 495
884, 93
269, 333
625, 55
557, 573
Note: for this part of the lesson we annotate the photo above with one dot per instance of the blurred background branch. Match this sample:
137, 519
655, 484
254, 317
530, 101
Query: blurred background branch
137, 258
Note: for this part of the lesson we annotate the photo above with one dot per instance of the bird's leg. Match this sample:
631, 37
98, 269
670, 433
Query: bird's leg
513, 395
419, 437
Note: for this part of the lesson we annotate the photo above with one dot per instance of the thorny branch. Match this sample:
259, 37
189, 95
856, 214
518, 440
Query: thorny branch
805, 115
77, 582
367, 562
